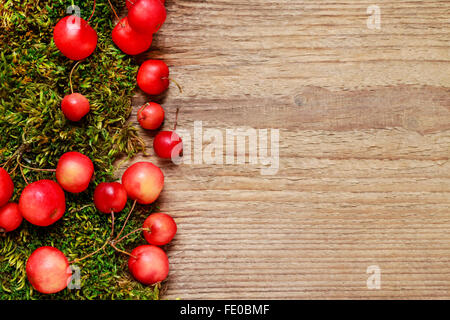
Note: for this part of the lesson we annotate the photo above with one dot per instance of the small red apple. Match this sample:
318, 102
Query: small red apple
130, 41
143, 182
6, 187
150, 116
48, 270
42, 203
10, 217
147, 16
163, 229
153, 77
74, 172
150, 266
168, 144
110, 196
75, 106
75, 38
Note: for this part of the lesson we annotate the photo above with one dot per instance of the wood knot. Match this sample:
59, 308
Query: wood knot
298, 100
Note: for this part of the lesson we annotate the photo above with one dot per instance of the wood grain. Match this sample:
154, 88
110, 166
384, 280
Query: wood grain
364, 175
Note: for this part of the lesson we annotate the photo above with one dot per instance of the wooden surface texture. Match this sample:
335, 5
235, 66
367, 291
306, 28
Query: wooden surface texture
364, 173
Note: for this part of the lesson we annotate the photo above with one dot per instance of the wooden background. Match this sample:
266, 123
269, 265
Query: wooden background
364, 175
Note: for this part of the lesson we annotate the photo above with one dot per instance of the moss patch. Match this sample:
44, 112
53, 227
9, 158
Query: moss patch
34, 77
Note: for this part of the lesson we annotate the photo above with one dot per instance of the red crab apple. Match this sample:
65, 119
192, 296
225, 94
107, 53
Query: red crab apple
153, 77
150, 116
128, 40
75, 106
143, 182
48, 270
168, 144
6, 187
147, 16
75, 38
10, 217
42, 203
74, 172
163, 229
110, 196
148, 264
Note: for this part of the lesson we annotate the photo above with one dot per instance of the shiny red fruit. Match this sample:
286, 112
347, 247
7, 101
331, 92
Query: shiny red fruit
110, 196
150, 264
42, 203
10, 217
75, 106
6, 187
75, 38
143, 182
163, 229
168, 144
130, 41
153, 77
147, 16
48, 270
150, 116
74, 172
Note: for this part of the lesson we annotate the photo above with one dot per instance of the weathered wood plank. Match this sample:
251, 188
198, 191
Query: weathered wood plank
364, 147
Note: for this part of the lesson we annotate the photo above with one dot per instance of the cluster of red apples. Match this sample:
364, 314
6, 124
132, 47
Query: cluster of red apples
77, 40
133, 34
42, 203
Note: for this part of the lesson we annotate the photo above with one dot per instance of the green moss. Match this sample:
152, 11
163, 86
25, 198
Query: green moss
34, 77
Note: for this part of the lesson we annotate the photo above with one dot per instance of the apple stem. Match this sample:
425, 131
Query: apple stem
126, 221
90, 254
176, 119
70, 75
92, 14
18, 153
112, 8
112, 243
82, 208
132, 232
103, 246
13, 170
175, 82
23, 175
112, 224
140, 110
34, 169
